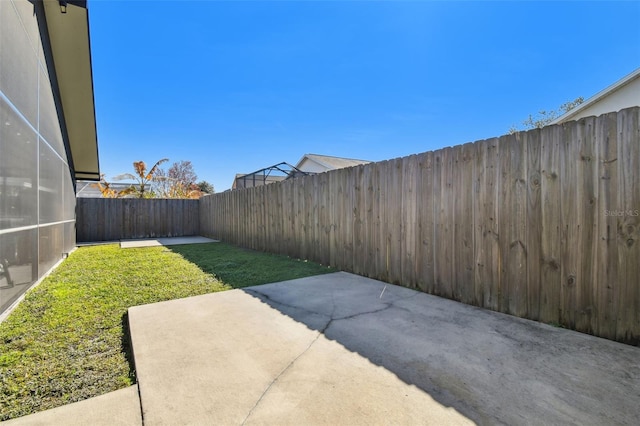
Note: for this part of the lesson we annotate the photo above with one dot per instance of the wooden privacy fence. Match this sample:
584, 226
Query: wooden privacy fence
110, 219
541, 224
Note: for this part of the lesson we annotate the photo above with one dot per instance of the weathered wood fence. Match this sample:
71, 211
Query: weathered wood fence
110, 219
543, 224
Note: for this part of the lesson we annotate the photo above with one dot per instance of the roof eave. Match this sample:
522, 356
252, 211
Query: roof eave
71, 52
567, 116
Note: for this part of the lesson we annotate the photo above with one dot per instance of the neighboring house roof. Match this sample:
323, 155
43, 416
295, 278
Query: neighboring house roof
86, 189
89, 189
71, 52
315, 163
624, 93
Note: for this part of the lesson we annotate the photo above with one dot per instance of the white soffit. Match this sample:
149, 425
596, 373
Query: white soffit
71, 51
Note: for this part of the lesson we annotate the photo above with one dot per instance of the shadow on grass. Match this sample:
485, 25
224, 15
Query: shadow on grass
239, 267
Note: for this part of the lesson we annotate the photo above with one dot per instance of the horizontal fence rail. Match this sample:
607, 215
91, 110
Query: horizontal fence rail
111, 219
542, 224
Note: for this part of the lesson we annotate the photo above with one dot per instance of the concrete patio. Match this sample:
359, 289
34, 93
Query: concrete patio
343, 349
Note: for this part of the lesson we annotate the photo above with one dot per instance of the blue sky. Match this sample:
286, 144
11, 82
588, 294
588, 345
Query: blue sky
238, 86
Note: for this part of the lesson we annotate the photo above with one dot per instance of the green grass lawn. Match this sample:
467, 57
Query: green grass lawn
68, 340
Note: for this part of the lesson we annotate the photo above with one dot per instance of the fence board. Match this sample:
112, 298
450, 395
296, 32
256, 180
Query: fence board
463, 221
403, 189
375, 226
516, 283
409, 229
425, 206
383, 239
628, 229
367, 227
607, 258
534, 223
347, 219
570, 233
552, 222
584, 223
444, 219
487, 276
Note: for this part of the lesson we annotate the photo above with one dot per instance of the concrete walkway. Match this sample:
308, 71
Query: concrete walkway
119, 408
152, 242
340, 349
167, 241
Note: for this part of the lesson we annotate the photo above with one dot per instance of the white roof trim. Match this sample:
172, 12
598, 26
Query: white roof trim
315, 160
595, 98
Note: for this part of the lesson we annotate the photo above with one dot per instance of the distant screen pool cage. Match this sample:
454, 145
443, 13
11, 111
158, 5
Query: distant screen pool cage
277, 172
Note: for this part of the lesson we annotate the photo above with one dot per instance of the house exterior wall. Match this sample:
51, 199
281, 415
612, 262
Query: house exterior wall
311, 166
625, 97
37, 197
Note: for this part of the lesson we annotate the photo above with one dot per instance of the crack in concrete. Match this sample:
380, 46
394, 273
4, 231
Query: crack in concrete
260, 295
387, 306
333, 309
284, 370
320, 333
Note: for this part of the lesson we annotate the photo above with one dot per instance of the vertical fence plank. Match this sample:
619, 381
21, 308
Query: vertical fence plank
585, 219
438, 284
425, 207
359, 218
368, 221
517, 283
628, 229
444, 221
382, 246
395, 232
486, 222
447, 218
408, 228
333, 196
534, 222
323, 226
464, 269
607, 148
570, 227
345, 208
376, 226
550, 165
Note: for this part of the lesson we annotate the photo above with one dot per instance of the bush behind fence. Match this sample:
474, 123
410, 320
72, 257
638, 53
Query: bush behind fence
541, 224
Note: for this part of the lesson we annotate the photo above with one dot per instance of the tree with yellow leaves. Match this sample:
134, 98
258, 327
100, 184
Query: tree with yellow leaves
143, 178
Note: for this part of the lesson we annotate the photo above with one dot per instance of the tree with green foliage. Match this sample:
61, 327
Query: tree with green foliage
205, 187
